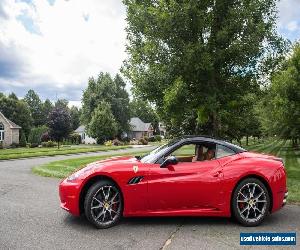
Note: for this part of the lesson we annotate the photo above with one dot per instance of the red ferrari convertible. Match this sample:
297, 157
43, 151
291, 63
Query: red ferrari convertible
189, 176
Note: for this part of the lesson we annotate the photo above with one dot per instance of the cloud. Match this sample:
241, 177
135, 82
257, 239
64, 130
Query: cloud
53, 47
289, 19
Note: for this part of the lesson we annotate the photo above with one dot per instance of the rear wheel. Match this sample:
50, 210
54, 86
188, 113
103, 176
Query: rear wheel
251, 202
103, 204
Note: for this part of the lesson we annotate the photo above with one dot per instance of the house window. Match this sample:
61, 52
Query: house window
1, 131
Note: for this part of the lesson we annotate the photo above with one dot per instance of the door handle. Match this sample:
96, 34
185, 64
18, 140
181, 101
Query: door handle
218, 173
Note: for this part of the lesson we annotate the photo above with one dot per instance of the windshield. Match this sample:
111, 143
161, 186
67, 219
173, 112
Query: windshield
158, 151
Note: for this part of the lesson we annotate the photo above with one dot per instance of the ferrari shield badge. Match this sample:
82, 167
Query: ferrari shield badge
135, 168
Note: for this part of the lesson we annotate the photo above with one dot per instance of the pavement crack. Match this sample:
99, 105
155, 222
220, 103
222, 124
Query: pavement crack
170, 238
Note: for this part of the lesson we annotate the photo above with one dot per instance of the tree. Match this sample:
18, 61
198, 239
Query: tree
103, 125
47, 108
143, 110
59, 123
13, 96
63, 103
75, 117
35, 135
17, 111
120, 104
193, 58
35, 104
23, 141
111, 91
280, 109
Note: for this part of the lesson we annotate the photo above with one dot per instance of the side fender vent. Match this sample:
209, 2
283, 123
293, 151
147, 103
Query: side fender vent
135, 180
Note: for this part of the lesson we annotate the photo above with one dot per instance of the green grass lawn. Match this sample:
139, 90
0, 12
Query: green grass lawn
6, 154
62, 169
291, 157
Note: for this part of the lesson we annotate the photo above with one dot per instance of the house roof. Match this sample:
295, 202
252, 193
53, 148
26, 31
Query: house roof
80, 129
137, 124
11, 124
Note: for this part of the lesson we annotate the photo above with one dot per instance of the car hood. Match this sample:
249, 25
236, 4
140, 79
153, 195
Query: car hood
114, 161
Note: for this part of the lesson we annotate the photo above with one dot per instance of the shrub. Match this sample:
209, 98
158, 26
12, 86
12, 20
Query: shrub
74, 138
157, 138
134, 142
116, 142
36, 134
33, 145
151, 139
49, 144
14, 145
23, 141
108, 143
143, 141
45, 137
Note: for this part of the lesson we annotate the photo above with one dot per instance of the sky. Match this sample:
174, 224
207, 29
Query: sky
54, 46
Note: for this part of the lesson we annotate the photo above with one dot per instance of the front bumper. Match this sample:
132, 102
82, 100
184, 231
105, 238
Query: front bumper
69, 193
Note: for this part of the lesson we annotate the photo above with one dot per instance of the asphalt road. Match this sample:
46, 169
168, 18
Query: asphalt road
30, 218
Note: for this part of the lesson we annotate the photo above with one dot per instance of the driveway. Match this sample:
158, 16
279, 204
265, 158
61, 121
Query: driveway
30, 218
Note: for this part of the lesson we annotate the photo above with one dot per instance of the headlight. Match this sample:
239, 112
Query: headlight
73, 177
79, 173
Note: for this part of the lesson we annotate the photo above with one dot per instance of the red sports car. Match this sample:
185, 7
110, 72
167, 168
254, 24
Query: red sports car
189, 176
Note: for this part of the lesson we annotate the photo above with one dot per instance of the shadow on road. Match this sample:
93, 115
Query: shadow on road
81, 222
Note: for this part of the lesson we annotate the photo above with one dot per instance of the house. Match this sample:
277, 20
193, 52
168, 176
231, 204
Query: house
9, 131
139, 129
84, 137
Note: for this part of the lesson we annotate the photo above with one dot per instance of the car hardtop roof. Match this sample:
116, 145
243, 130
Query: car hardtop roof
211, 139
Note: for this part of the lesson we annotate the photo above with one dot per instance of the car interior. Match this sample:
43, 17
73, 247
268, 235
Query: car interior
195, 152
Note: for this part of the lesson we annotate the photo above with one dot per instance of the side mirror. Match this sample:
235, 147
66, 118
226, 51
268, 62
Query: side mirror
171, 160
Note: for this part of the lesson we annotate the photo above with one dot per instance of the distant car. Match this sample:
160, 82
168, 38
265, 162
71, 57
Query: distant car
189, 176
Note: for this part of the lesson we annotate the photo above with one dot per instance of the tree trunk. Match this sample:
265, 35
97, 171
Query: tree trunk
58, 144
247, 140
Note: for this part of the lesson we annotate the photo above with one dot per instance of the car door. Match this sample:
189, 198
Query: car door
185, 186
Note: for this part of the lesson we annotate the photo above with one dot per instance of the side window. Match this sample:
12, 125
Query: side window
223, 151
187, 150
194, 152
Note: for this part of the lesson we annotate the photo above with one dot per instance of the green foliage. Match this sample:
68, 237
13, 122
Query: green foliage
17, 111
49, 144
23, 141
35, 134
157, 138
194, 59
36, 108
280, 109
59, 123
75, 117
46, 109
111, 91
143, 110
62, 103
143, 141
103, 125
75, 138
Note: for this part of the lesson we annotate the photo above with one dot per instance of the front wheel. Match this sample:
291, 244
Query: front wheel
251, 202
103, 204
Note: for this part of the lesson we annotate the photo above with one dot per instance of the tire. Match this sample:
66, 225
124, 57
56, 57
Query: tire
251, 202
103, 204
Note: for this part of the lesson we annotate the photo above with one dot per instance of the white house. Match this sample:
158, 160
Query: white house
84, 137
